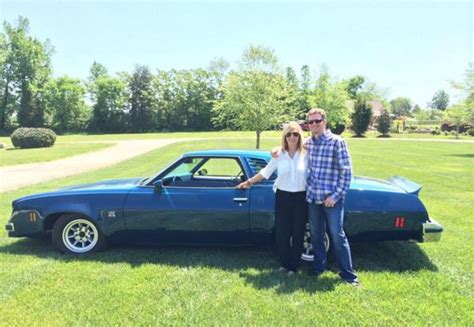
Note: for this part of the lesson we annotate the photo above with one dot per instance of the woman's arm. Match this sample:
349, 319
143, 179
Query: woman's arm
265, 172
249, 182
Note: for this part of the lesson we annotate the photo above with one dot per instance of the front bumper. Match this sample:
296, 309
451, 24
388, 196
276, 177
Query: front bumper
24, 223
432, 231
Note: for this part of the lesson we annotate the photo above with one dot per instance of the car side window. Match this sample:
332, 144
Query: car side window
220, 168
206, 172
256, 164
184, 170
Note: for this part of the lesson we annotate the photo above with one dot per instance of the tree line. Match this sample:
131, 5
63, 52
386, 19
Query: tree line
257, 95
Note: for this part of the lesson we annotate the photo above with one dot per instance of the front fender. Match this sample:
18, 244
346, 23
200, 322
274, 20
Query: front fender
25, 223
106, 210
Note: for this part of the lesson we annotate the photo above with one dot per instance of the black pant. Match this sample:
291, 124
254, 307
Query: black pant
291, 211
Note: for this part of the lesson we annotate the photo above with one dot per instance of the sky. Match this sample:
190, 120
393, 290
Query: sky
410, 49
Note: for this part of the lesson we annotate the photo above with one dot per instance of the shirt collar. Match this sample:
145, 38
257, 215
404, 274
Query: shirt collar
327, 134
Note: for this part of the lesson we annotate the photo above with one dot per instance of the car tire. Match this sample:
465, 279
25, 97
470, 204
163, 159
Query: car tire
77, 234
307, 254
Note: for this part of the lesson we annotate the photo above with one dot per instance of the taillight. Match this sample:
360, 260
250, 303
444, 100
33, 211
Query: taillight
399, 222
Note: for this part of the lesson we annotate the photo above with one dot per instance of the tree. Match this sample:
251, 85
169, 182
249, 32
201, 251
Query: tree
25, 73
254, 96
361, 116
401, 106
354, 85
467, 86
440, 100
7, 101
197, 95
65, 103
296, 103
97, 70
384, 122
457, 115
305, 79
141, 100
463, 112
421, 116
109, 105
302, 94
332, 97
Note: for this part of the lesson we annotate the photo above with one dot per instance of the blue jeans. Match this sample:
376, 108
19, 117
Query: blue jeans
319, 216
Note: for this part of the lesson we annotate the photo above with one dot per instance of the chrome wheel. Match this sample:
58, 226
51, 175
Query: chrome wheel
80, 236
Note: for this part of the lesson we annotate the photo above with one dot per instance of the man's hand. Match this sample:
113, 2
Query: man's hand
275, 152
329, 202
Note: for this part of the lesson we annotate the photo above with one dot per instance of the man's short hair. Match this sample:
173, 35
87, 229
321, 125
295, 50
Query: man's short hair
317, 111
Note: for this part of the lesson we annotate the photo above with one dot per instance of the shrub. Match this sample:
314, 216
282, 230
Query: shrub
32, 137
470, 132
338, 129
435, 131
384, 123
452, 127
446, 127
361, 116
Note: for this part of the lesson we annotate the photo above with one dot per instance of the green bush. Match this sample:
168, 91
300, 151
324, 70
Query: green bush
25, 138
435, 131
384, 122
470, 131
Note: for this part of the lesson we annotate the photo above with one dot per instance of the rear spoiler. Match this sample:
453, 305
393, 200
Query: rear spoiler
405, 184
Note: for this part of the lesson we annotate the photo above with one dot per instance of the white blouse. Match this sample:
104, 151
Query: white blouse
292, 173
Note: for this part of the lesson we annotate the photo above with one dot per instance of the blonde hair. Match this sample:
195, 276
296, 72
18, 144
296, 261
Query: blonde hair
292, 127
317, 111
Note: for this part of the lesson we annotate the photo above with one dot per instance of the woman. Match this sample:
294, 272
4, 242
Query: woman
290, 196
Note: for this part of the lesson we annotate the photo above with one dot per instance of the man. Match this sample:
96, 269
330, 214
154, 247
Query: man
328, 181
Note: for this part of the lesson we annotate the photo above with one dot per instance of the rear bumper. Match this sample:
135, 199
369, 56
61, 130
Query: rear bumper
432, 231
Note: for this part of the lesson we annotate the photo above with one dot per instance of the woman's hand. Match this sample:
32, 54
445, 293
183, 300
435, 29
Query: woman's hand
244, 185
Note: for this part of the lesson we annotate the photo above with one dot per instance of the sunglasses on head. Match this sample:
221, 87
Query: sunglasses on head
315, 121
295, 134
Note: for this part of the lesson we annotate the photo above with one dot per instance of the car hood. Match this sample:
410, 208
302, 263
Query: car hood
113, 186
394, 184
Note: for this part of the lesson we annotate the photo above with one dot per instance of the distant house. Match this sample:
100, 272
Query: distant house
377, 108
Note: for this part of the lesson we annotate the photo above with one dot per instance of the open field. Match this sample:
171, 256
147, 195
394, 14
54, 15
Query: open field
220, 134
403, 283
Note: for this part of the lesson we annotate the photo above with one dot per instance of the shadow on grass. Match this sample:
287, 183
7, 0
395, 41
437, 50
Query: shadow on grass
464, 155
396, 256
379, 257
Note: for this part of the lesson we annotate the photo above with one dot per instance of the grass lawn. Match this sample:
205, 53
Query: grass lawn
403, 283
11, 156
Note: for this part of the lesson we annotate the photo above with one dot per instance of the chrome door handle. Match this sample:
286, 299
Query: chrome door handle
240, 199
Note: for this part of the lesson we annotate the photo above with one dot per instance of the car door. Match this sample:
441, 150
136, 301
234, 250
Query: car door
196, 202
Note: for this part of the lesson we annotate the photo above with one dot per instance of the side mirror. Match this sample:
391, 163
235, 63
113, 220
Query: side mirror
158, 186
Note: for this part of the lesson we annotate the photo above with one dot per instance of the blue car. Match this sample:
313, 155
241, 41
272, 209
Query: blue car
194, 201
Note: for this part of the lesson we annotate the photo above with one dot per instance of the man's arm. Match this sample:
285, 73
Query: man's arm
344, 165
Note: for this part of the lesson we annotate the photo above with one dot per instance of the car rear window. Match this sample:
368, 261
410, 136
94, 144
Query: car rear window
256, 164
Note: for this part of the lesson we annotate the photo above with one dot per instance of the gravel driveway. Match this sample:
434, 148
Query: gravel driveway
14, 177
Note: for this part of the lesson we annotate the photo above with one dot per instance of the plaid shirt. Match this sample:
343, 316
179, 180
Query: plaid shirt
330, 168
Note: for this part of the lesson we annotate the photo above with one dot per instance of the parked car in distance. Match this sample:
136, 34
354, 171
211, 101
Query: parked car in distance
194, 201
